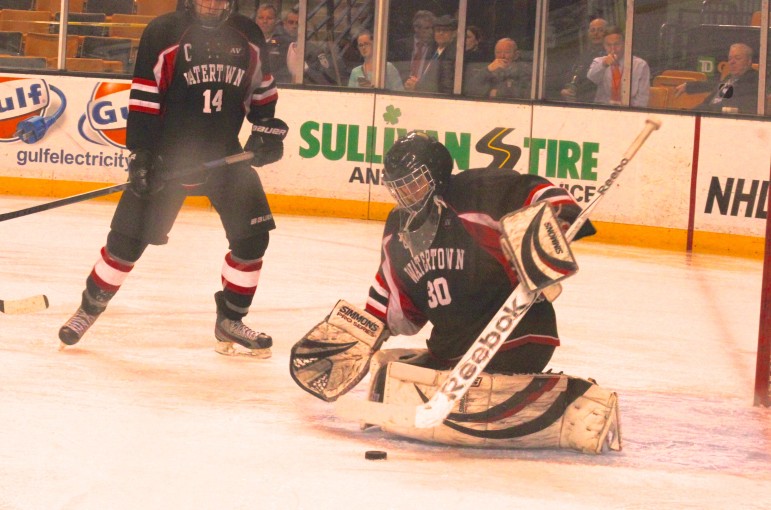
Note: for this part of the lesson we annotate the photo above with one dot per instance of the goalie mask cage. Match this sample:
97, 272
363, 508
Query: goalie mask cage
763, 369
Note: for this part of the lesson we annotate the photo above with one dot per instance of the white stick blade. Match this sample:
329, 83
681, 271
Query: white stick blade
25, 305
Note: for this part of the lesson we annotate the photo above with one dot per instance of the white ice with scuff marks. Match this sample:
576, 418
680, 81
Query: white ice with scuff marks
142, 414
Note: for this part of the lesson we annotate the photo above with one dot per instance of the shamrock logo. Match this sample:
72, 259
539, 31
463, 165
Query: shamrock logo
392, 114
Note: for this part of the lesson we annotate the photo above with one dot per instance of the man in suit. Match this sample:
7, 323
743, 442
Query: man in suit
439, 72
411, 54
737, 93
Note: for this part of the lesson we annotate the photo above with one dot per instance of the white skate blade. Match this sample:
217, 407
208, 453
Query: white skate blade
234, 349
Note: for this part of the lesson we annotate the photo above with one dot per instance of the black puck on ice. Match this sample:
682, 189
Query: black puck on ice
375, 455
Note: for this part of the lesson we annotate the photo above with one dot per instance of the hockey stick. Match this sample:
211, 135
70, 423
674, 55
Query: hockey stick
209, 165
25, 305
471, 365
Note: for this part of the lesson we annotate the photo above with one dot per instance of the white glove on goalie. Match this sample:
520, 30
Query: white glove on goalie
335, 355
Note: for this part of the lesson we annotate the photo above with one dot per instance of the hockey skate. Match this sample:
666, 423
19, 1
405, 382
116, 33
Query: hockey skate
77, 325
234, 338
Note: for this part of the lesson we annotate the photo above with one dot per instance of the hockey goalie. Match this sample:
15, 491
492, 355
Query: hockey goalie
453, 251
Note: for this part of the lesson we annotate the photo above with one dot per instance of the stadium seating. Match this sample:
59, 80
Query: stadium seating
25, 5
14, 20
11, 43
110, 7
107, 48
83, 23
155, 7
54, 6
47, 45
93, 65
22, 62
659, 97
137, 22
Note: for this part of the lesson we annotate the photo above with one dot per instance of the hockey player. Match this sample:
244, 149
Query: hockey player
442, 263
199, 72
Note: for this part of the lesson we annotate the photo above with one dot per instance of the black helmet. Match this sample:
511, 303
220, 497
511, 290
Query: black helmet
211, 16
417, 167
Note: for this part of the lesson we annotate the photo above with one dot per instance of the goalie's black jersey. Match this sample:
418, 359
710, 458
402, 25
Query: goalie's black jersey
463, 279
192, 88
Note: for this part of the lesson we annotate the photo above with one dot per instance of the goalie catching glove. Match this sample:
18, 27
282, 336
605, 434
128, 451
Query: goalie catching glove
335, 355
267, 141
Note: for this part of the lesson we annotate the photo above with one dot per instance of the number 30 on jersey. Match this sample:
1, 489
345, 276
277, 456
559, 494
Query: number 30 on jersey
438, 293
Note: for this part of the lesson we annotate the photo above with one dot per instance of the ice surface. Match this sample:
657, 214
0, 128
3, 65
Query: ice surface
143, 414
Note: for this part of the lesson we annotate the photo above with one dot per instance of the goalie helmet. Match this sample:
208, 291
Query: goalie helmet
417, 172
211, 13
417, 167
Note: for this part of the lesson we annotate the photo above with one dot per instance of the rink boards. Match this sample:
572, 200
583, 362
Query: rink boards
699, 183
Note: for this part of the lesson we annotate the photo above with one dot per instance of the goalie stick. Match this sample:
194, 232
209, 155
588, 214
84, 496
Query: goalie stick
25, 305
471, 365
228, 160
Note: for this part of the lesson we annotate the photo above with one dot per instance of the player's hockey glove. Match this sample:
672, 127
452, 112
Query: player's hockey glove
267, 141
141, 168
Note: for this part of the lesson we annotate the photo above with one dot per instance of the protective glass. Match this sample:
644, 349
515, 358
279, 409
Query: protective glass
414, 189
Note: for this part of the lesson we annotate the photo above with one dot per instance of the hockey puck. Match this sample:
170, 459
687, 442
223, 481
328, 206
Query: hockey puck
375, 455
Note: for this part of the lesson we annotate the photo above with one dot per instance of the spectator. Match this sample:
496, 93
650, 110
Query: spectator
475, 50
439, 73
739, 89
411, 54
267, 19
505, 76
606, 72
577, 86
276, 43
361, 76
290, 23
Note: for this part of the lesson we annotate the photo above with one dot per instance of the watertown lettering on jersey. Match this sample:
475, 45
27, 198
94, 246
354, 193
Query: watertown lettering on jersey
435, 258
218, 73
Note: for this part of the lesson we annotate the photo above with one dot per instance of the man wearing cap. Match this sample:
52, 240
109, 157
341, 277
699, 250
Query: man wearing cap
439, 73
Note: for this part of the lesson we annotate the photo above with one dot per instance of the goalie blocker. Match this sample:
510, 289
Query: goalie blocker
503, 411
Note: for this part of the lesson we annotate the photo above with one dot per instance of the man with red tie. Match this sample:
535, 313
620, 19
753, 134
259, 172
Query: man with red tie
607, 73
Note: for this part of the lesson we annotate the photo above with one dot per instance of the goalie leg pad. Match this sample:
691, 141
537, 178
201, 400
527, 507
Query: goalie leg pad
335, 355
380, 361
511, 411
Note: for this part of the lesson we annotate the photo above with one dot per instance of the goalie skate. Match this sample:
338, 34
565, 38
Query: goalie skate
76, 326
234, 338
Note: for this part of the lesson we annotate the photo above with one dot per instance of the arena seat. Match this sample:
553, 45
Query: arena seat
11, 43
23, 62
83, 23
138, 22
110, 7
659, 97
47, 45
54, 6
26, 5
14, 20
107, 48
155, 7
